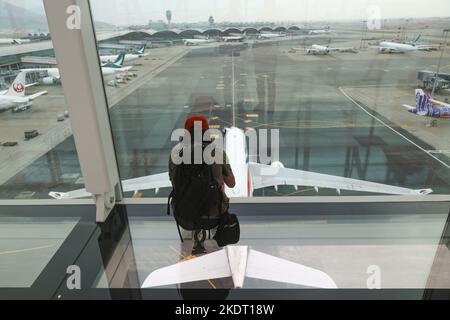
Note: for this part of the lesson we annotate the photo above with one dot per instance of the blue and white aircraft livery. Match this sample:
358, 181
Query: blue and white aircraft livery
427, 107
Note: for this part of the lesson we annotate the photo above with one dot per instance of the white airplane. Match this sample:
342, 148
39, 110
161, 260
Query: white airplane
126, 56
423, 47
397, 47
251, 176
233, 38
239, 262
394, 47
318, 32
6, 41
53, 76
267, 36
196, 42
324, 50
15, 97
427, 107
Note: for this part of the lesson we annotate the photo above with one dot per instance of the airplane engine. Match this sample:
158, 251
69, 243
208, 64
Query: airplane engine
49, 80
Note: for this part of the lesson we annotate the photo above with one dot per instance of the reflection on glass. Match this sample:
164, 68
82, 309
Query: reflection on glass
27, 245
335, 90
348, 248
37, 151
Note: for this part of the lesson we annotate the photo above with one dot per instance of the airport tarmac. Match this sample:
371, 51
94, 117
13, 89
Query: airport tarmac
43, 117
321, 129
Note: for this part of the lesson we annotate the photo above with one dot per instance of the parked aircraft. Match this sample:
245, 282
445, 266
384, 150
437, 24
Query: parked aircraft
427, 107
53, 76
316, 49
15, 97
319, 32
233, 38
398, 47
126, 56
10, 41
266, 36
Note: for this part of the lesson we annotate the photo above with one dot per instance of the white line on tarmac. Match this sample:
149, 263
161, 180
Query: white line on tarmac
386, 125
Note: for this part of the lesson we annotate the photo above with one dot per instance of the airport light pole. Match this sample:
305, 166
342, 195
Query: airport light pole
363, 34
446, 31
233, 88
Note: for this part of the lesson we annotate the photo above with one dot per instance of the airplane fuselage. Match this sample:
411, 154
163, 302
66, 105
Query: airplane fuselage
236, 150
233, 38
196, 42
394, 47
13, 41
270, 35
128, 57
318, 49
433, 112
8, 102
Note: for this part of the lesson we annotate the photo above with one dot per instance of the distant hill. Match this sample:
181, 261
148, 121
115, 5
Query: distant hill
16, 19
99, 25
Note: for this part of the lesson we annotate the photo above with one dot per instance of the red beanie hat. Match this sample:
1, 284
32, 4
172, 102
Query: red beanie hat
189, 124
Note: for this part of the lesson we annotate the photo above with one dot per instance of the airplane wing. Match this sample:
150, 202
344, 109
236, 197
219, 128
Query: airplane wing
36, 95
343, 49
125, 69
31, 84
155, 181
425, 47
76, 194
210, 266
239, 262
409, 107
266, 267
440, 103
273, 176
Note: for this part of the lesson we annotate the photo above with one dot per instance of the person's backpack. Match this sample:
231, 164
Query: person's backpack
194, 193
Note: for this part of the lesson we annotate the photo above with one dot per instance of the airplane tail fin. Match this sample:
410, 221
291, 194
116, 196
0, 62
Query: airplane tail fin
141, 50
417, 39
423, 103
17, 88
120, 59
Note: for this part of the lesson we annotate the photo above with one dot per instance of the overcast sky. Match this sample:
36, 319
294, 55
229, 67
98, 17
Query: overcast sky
127, 12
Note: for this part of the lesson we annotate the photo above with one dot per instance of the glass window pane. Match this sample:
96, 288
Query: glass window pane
335, 85
27, 245
37, 151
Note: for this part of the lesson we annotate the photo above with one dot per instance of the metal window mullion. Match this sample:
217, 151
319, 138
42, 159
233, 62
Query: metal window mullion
80, 71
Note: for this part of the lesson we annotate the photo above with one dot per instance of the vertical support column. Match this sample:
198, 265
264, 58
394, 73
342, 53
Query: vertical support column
71, 27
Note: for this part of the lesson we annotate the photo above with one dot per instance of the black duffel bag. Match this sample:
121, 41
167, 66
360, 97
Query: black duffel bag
228, 231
